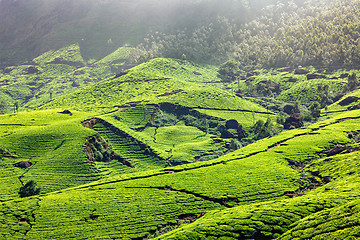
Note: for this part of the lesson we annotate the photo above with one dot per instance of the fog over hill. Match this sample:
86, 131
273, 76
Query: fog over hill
28, 28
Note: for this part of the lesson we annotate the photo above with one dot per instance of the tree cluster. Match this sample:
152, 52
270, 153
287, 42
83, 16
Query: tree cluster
324, 33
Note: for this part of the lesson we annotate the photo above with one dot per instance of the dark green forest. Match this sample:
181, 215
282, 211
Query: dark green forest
255, 33
316, 33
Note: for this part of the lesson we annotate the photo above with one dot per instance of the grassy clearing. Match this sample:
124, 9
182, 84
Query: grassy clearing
120, 56
183, 144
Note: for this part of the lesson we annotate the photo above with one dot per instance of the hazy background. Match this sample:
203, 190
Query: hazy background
31, 27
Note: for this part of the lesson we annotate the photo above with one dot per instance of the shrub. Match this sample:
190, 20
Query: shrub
353, 82
3, 106
163, 119
98, 156
229, 69
263, 130
280, 119
235, 144
107, 155
29, 189
208, 157
306, 117
99, 146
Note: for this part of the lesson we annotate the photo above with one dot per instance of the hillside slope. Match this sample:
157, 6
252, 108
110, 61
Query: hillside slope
269, 189
156, 81
162, 151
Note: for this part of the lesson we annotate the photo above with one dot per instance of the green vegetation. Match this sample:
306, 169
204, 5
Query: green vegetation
318, 33
169, 150
141, 84
70, 54
119, 142
54, 145
56, 73
232, 195
29, 189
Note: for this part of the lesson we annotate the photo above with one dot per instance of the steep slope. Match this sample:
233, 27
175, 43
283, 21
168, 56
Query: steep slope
156, 154
137, 133
327, 212
181, 99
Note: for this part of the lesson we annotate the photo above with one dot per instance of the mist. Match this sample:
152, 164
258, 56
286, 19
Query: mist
31, 27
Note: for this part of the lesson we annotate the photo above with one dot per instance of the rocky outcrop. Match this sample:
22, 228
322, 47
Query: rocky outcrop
341, 149
75, 84
122, 73
32, 70
344, 75
79, 72
66, 112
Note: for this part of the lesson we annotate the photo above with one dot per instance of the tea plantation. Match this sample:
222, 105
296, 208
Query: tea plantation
168, 150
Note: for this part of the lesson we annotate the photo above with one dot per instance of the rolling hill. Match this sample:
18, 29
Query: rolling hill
157, 152
114, 125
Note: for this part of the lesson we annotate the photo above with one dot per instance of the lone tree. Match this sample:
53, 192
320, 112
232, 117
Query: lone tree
29, 189
315, 109
263, 130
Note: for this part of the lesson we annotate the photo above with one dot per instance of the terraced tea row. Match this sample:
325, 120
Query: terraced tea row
138, 204
130, 150
113, 211
52, 150
328, 212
